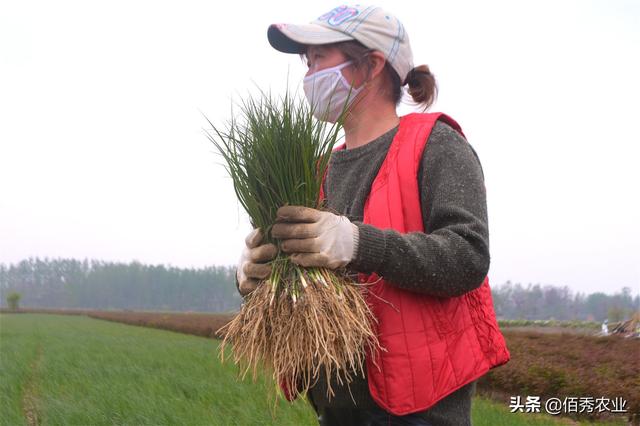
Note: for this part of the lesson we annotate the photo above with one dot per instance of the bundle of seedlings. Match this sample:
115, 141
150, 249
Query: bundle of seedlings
300, 322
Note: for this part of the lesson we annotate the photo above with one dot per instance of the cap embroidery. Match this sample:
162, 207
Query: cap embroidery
339, 15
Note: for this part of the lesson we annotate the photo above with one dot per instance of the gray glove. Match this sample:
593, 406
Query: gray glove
316, 238
253, 265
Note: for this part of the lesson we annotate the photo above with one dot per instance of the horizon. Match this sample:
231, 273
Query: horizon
524, 285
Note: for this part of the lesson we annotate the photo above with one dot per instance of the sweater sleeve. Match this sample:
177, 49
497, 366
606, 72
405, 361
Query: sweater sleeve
452, 256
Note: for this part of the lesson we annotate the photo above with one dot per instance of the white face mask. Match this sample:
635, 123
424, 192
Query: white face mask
328, 92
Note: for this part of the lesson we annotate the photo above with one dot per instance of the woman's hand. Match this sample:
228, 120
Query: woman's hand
315, 238
253, 265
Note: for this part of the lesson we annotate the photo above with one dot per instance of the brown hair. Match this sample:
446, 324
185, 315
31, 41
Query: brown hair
422, 84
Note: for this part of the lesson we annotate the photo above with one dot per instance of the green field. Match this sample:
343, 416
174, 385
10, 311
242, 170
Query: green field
75, 370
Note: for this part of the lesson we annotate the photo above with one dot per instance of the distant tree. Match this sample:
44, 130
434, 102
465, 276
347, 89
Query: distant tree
616, 314
598, 305
13, 300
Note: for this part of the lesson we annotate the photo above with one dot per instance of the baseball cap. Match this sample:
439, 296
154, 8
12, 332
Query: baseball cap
370, 25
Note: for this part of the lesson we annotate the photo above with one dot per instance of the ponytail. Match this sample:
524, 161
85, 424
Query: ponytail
422, 86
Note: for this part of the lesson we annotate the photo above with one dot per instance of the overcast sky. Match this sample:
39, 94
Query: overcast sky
103, 155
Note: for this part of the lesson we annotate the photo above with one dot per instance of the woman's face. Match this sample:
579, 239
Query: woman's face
321, 57
327, 56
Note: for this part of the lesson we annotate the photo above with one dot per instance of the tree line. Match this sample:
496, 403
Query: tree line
536, 302
96, 284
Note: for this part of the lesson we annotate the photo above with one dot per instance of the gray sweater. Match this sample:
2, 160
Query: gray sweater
449, 259
452, 256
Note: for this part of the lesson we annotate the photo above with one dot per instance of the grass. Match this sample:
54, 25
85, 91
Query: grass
486, 412
96, 372
78, 371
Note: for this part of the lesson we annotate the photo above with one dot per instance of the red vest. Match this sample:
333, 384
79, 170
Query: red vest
433, 345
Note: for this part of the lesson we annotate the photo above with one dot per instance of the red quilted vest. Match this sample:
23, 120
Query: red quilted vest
433, 345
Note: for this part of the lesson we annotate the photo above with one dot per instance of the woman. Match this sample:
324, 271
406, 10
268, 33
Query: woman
406, 210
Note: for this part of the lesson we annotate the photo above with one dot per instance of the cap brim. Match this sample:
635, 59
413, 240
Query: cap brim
295, 38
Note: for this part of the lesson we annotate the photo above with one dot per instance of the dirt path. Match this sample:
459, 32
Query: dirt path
29, 395
552, 330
